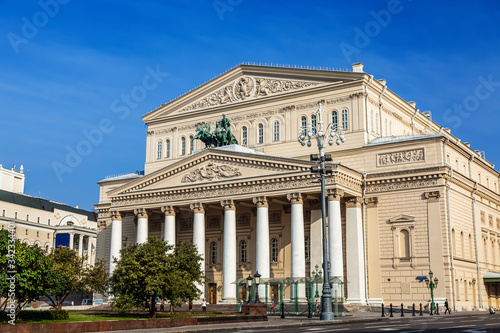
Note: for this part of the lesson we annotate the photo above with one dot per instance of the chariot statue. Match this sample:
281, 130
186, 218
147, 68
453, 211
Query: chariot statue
222, 135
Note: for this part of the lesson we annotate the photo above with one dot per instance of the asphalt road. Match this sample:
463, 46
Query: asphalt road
442, 323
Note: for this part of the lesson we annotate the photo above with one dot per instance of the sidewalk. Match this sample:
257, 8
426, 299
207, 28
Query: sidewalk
273, 322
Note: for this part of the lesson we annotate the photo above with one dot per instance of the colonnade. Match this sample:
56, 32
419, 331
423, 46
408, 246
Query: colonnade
80, 244
354, 237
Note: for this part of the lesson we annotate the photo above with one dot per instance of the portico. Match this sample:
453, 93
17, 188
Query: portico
251, 213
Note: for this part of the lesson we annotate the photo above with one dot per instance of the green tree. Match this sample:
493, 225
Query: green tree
70, 274
31, 267
154, 270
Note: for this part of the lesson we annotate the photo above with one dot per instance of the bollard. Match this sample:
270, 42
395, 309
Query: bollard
413, 310
391, 310
282, 310
437, 308
421, 309
402, 310
309, 312
383, 311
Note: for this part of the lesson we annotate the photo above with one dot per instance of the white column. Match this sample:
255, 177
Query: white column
80, 245
169, 228
298, 258
71, 240
142, 226
199, 237
229, 252
89, 250
336, 253
116, 239
262, 242
354, 252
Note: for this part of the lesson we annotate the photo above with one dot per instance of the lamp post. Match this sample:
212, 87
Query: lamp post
431, 284
323, 133
257, 282
316, 274
249, 286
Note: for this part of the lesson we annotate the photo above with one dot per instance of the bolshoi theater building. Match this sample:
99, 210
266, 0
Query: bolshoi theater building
405, 196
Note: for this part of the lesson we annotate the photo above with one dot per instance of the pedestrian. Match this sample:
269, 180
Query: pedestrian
162, 306
241, 305
190, 303
447, 308
317, 307
273, 307
204, 305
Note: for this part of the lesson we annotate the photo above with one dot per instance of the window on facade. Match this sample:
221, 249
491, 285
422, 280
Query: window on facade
307, 245
345, 122
47, 248
48, 221
303, 124
274, 250
159, 149
26, 231
483, 218
261, 133
15, 215
243, 252
38, 234
462, 244
244, 135
191, 144
38, 219
490, 220
376, 123
335, 120
404, 243
213, 253
276, 131
183, 146
167, 149
313, 123
3, 212
27, 217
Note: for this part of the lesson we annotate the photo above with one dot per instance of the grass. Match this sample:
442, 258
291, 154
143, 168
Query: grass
75, 316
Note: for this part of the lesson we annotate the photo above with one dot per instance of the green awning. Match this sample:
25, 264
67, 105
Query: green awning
491, 277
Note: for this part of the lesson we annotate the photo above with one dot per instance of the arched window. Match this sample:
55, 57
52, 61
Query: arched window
313, 123
276, 131
183, 146
404, 244
243, 252
15, 215
47, 248
159, 149
335, 120
27, 217
274, 250
167, 152
191, 144
303, 124
307, 244
261, 133
244, 134
213, 253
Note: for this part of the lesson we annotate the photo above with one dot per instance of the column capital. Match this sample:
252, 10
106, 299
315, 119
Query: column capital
197, 207
115, 215
296, 198
141, 213
371, 202
432, 196
262, 201
168, 210
353, 202
228, 204
334, 194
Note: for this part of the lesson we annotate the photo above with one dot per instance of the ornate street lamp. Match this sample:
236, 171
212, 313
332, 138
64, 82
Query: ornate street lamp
257, 282
431, 284
249, 286
316, 273
323, 133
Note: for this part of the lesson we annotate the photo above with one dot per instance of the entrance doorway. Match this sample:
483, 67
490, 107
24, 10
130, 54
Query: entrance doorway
212, 287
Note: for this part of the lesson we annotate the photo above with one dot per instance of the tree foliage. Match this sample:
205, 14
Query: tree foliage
31, 267
70, 274
154, 270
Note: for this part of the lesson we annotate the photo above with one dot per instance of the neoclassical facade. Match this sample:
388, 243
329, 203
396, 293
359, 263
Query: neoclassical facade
405, 195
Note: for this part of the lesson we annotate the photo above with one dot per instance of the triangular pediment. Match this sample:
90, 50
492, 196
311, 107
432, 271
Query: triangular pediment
402, 219
245, 83
212, 166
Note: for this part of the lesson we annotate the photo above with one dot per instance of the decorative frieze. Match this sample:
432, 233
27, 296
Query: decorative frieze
247, 87
186, 224
243, 219
400, 157
213, 222
211, 171
401, 184
275, 217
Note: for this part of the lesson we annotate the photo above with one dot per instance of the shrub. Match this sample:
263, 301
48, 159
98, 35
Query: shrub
44, 315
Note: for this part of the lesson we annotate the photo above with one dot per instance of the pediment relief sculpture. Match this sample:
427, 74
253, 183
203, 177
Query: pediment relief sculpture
211, 171
248, 87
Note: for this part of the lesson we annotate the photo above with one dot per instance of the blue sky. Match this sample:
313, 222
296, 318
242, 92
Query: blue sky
64, 63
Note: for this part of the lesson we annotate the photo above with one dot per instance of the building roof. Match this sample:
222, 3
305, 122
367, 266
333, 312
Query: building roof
132, 175
394, 139
42, 204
